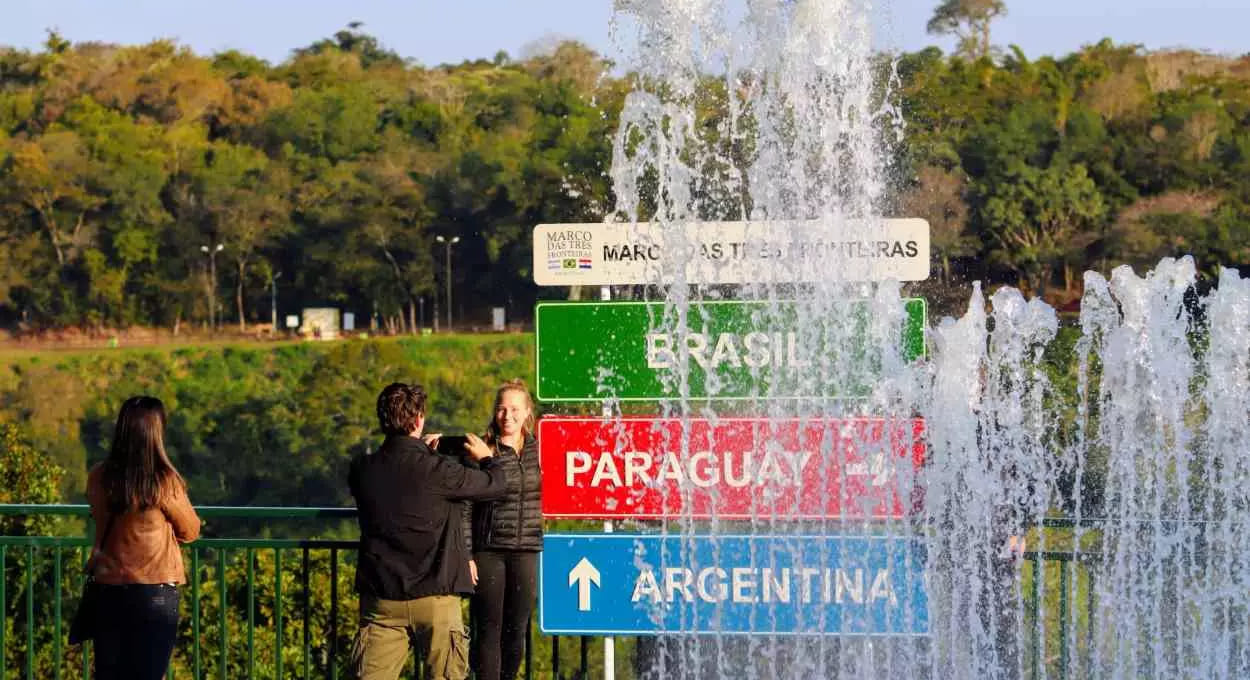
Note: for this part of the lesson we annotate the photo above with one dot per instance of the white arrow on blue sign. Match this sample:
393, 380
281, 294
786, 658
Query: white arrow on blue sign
633, 584
583, 575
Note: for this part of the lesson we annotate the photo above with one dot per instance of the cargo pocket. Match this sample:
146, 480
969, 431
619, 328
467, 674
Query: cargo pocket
458, 655
359, 645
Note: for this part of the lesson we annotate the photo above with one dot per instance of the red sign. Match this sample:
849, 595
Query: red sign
739, 468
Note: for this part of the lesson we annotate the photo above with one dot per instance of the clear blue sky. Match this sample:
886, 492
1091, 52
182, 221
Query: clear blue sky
438, 31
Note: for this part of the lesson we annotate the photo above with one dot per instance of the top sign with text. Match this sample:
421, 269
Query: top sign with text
599, 254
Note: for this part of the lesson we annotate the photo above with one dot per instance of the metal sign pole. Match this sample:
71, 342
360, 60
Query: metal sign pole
609, 643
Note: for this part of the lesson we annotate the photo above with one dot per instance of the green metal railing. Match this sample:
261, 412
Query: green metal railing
252, 607
286, 608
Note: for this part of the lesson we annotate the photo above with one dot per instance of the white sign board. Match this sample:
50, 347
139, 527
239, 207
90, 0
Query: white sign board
599, 254
321, 323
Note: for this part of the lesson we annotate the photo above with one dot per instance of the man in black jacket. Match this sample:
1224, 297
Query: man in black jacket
413, 565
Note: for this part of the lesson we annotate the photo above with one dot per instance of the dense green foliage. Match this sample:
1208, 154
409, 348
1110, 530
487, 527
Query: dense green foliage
340, 166
336, 168
255, 425
1032, 171
26, 476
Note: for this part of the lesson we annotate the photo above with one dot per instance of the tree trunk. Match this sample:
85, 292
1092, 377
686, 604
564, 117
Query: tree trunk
54, 236
1041, 280
209, 281
412, 300
238, 295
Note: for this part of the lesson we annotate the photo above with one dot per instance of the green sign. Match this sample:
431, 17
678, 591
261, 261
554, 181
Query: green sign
592, 351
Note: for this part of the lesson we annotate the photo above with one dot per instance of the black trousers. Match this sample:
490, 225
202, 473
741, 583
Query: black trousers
137, 633
507, 585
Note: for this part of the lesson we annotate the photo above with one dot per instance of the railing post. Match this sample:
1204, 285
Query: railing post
277, 609
1091, 607
4, 549
307, 614
251, 613
332, 666
82, 584
555, 657
195, 613
30, 612
56, 614
1037, 614
221, 618
1063, 618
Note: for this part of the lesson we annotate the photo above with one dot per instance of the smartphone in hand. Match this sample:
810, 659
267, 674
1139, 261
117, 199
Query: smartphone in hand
452, 444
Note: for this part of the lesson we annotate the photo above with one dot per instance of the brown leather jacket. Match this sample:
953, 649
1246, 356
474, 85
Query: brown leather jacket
142, 545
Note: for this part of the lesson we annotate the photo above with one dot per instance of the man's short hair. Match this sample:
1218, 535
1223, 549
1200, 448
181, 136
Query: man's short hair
399, 405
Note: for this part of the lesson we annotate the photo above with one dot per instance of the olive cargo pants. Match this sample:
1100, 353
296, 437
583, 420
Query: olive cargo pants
434, 626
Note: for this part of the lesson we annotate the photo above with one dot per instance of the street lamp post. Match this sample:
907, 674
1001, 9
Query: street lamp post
447, 272
273, 299
212, 282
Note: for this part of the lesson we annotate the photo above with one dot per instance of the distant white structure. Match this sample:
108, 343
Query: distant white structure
320, 323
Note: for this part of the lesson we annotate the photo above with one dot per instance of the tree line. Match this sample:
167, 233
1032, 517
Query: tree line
148, 185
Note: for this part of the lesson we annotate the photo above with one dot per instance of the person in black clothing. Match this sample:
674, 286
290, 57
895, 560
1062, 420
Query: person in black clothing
413, 567
507, 537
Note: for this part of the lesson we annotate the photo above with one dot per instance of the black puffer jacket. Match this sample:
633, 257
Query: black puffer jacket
514, 522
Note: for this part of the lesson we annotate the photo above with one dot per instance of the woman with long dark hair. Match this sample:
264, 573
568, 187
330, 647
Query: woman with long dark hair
141, 510
507, 537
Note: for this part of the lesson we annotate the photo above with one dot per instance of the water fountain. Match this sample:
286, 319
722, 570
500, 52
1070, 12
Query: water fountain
1144, 575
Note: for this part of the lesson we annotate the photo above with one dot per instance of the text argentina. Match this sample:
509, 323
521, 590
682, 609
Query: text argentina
748, 585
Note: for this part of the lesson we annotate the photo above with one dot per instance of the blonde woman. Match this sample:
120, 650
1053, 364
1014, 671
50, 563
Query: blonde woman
507, 537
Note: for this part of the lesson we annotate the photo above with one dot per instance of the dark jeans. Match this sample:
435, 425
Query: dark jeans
136, 636
507, 584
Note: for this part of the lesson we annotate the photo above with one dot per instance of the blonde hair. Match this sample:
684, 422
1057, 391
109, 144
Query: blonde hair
516, 385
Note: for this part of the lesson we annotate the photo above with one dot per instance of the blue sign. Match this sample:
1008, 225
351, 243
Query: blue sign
633, 584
